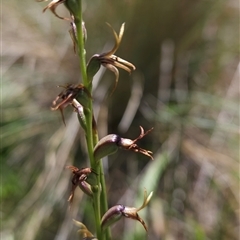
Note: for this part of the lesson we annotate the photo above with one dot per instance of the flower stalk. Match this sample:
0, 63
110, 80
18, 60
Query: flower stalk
91, 179
91, 138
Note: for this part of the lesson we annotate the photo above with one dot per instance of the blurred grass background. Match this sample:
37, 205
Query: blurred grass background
186, 86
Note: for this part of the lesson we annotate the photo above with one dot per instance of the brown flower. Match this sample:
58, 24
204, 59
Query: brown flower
83, 232
109, 145
118, 211
66, 97
111, 61
79, 179
132, 212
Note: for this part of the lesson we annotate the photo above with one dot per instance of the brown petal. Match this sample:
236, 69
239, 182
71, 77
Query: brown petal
129, 213
118, 39
129, 144
83, 231
116, 72
53, 5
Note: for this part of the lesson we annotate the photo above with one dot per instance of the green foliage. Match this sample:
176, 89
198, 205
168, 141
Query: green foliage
186, 56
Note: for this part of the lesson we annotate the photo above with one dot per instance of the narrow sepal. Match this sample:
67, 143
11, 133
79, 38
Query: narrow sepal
131, 212
52, 6
83, 232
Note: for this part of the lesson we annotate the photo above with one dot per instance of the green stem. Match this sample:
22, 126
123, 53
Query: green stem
81, 50
103, 196
99, 194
